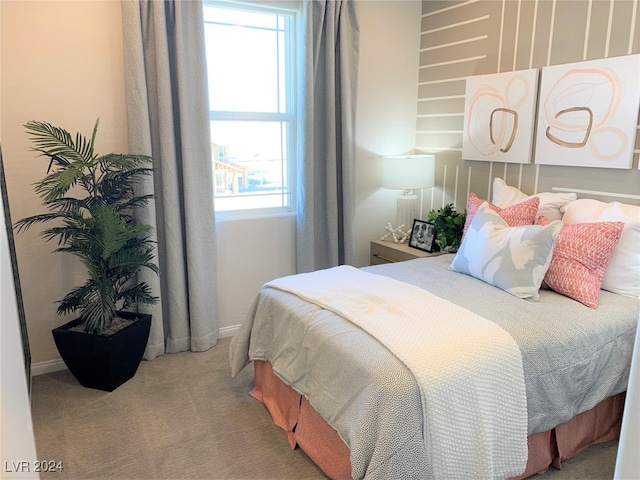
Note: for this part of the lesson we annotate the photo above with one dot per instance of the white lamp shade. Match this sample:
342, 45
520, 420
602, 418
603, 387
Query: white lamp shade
408, 172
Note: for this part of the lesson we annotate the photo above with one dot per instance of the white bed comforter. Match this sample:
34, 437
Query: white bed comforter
469, 369
573, 358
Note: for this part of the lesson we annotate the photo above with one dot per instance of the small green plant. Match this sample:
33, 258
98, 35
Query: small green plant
91, 198
449, 227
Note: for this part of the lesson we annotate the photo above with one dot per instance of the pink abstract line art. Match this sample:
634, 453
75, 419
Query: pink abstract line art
579, 109
493, 118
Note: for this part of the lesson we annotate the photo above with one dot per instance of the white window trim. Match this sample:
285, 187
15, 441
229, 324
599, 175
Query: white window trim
283, 8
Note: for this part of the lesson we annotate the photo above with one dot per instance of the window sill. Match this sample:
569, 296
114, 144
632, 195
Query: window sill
229, 216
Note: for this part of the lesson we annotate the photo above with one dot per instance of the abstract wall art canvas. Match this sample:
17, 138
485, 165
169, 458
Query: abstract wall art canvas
499, 116
588, 113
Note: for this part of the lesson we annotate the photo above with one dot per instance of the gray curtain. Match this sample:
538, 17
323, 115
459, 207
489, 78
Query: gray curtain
168, 115
326, 165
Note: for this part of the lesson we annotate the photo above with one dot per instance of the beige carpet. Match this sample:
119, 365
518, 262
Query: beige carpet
183, 417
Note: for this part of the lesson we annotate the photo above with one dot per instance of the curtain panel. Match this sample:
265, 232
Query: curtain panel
168, 118
325, 235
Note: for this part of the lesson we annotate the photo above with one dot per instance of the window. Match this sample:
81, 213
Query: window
250, 56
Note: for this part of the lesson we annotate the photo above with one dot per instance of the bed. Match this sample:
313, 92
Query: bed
348, 396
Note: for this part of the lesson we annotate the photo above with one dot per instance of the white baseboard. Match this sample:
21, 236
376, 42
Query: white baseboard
228, 331
49, 366
58, 365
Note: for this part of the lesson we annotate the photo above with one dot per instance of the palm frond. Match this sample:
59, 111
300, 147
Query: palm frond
132, 259
50, 188
73, 301
28, 222
57, 184
98, 315
64, 234
69, 205
137, 294
121, 162
85, 145
96, 302
120, 185
58, 142
56, 160
134, 202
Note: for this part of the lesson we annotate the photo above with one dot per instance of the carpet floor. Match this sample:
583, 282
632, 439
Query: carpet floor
183, 417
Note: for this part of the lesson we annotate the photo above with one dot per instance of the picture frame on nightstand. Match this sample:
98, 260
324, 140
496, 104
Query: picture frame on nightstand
423, 236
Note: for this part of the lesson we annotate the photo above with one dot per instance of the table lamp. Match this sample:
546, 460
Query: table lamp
408, 173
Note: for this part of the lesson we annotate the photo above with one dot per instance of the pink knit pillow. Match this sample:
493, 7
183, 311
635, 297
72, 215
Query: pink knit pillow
580, 259
523, 213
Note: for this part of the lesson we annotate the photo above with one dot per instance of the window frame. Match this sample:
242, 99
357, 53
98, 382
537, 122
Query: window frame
289, 118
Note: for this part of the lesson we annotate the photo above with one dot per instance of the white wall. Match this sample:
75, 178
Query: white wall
17, 446
250, 253
62, 62
16, 438
628, 460
387, 109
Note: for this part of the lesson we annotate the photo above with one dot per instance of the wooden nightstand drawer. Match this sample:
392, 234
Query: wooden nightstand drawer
389, 252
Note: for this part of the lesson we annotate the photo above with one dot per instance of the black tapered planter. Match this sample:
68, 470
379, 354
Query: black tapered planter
104, 362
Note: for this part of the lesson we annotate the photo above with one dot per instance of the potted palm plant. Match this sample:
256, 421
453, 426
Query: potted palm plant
91, 201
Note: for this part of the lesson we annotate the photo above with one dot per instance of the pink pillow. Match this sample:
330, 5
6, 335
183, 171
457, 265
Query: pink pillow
580, 259
523, 213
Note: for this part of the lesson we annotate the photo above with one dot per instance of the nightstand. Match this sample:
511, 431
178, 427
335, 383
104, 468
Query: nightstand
389, 252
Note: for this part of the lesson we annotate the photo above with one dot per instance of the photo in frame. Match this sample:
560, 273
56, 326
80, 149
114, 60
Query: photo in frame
423, 236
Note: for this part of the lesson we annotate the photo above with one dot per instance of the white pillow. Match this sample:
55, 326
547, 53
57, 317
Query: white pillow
550, 203
514, 259
623, 272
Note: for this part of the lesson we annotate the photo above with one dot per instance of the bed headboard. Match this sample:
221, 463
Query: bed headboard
456, 178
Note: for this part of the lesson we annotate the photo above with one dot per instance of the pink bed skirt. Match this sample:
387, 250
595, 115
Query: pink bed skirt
308, 430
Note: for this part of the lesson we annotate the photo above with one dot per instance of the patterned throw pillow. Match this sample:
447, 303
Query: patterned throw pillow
580, 259
514, 259
623, 273
523, 213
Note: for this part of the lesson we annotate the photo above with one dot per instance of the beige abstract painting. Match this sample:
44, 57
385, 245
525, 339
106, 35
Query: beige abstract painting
588, 113
499, 116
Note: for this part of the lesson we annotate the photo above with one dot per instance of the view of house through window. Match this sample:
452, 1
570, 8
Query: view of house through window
251, 106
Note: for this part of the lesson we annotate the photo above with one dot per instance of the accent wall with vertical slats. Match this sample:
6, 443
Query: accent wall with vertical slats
476, 37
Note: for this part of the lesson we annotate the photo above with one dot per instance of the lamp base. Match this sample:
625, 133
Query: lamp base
407, 210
